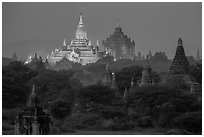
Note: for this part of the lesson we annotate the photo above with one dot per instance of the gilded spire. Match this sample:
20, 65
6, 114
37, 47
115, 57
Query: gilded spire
80, 19
64, 43
97, 43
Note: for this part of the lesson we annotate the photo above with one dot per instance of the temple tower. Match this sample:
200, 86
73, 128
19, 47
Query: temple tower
81, 32
107, 77
146, 75
180, 63
113, 83
198, 56
131, 85
32, 120
14, 57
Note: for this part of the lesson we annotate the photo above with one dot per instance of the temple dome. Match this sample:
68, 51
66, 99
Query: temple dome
81, 32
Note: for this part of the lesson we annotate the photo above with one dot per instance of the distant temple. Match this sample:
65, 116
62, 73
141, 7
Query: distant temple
179, 69
108, 78
80, 50
180, 63
32, 120
119, 45
14, 57
146, 78
198, 57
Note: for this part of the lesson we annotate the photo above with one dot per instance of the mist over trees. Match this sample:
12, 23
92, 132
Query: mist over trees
74, 106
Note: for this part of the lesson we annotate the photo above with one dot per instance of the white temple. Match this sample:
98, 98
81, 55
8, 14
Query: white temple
80, 49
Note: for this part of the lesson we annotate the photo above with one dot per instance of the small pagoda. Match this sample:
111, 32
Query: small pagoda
32, 120
107, 77
146, 78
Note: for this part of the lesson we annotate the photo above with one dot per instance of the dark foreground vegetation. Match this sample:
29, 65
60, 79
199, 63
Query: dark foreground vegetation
75, 107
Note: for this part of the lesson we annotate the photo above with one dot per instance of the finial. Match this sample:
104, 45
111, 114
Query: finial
35, 55
132, 83
97, 43
118, 23
80, 19
64, 43
33, 90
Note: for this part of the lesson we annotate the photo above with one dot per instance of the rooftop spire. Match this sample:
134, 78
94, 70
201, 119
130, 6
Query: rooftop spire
14, 57
64, 43
80, 19
180, 42
97, 43
132, 83
198, 55
113, 85
118, 23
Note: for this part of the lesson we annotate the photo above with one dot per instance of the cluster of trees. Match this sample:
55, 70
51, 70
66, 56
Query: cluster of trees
99, 107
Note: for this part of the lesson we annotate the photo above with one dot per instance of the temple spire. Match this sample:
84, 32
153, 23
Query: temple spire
64, 43
118, 23
80, 19
14, 57
198, 55
180, 43
97, 43
132, 83
113, 85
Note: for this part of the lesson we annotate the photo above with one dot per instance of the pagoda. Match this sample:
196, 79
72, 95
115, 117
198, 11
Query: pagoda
32, 120
80, 50
14, 57
146, 79
119, 45
179, 70
107, 77
180, 63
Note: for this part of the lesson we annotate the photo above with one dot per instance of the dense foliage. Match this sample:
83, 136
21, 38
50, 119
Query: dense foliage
15, 88
95, 107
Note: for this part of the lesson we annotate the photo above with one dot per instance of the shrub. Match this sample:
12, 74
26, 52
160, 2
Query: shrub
145, 121
165, 119
84, 121
191, 121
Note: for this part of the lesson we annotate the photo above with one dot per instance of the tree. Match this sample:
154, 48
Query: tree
15, 88
61, 108
159, 57
124, 77
98, 99
196, 71
52, 85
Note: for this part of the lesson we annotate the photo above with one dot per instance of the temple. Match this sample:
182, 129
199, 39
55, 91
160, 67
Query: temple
180, 63
179, 70
119, 45
80, 50
32, 120
146, 78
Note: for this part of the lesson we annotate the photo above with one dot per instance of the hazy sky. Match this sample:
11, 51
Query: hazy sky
153, 26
